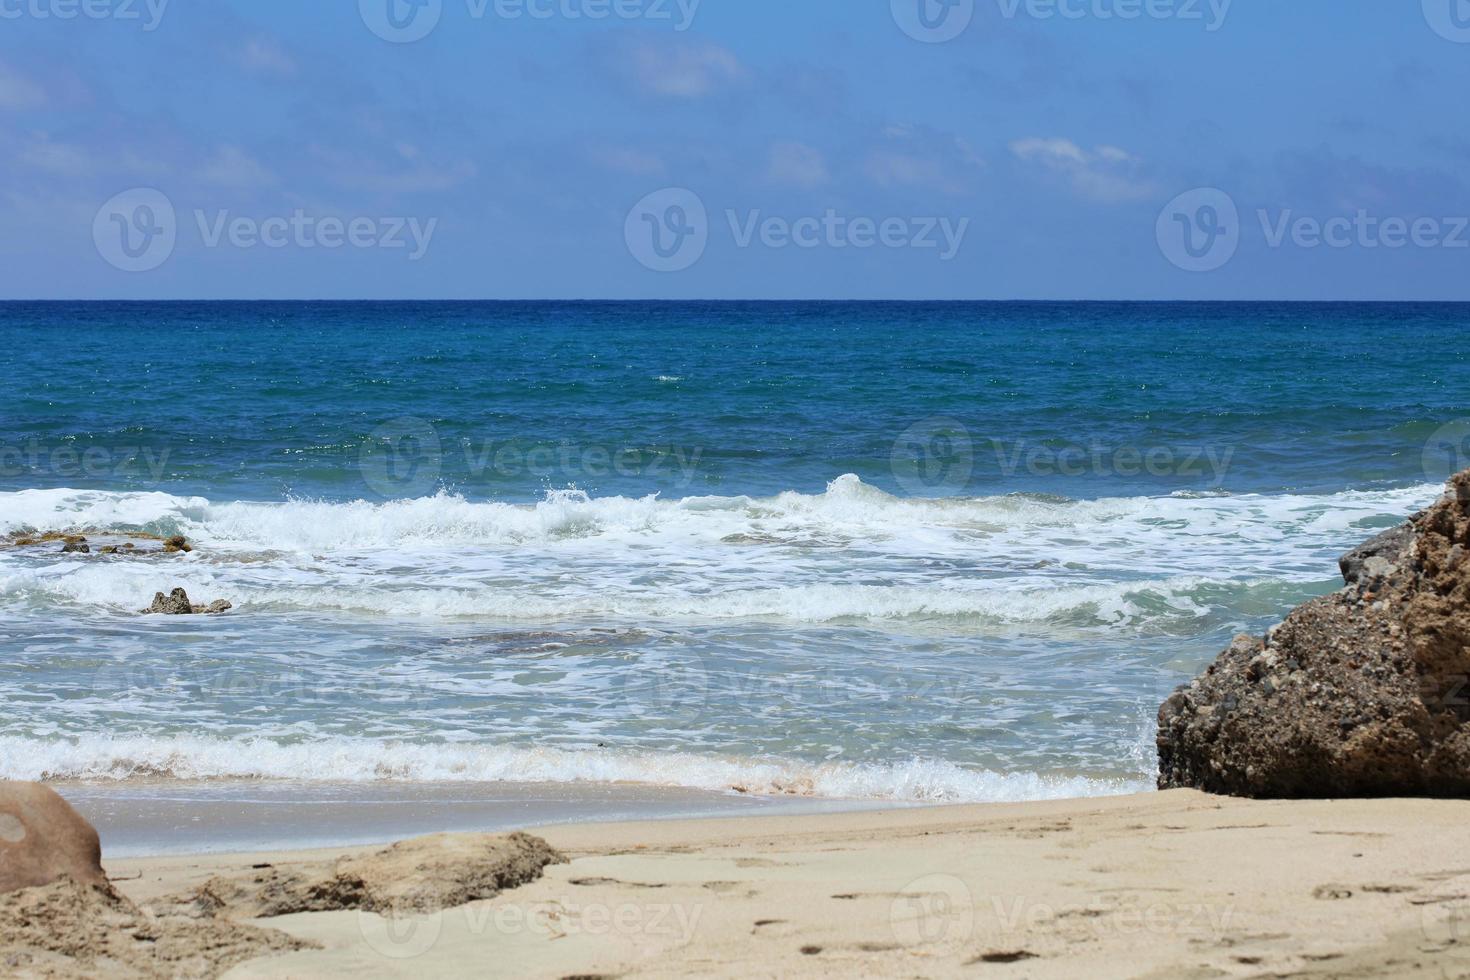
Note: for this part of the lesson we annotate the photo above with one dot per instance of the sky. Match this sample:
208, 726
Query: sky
744, 149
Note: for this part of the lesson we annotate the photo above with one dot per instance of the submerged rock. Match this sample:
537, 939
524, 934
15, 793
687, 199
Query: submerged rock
419, 876
42, 839
1365, 692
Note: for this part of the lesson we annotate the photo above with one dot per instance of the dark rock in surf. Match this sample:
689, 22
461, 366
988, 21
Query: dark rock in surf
75, 548
1365, 692
176, 603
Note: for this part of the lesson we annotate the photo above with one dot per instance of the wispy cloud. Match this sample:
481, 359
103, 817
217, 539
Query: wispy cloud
231, 166
916, 156
265, 56
626, 160
797, 164
680, 68
1106, 173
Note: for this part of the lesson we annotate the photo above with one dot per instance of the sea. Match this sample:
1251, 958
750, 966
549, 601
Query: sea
873, 553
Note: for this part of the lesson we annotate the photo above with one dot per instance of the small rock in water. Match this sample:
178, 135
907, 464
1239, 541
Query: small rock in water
75, 548
176, 603
176, 544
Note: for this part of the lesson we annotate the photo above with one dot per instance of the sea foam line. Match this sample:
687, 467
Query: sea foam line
363, 761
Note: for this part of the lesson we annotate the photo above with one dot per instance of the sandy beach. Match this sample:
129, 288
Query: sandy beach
1175, 884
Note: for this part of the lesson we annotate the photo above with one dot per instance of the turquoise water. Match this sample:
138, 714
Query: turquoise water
876, 551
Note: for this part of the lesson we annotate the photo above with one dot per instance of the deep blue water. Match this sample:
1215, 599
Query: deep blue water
261, 401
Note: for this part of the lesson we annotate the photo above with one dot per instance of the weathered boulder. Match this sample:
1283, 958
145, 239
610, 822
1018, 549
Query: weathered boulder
42, 839
1360, 693
424, 875
176, 603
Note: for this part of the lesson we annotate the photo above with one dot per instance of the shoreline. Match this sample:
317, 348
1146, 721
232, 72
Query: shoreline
178, 818
1161, 884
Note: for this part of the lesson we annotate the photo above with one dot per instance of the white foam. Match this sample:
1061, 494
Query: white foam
362, 760
851, 553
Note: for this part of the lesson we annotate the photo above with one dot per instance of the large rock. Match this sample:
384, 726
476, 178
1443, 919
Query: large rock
1360, 693
424, 875
42, 839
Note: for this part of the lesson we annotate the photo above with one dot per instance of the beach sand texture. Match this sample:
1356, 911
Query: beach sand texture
1175, 884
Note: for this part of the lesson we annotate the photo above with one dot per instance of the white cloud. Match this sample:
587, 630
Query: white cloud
265, 56
1107, 173
797, 164
916, 156
629, 161
683, 69
233, 167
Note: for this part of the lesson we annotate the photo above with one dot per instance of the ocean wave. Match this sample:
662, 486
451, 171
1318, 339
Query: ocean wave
125, 587
96, 758
851, 554
848, 509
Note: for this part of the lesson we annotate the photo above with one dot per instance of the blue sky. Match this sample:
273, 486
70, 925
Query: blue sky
1046, 150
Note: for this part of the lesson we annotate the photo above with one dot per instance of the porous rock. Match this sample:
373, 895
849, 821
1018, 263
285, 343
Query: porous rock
1364, 692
